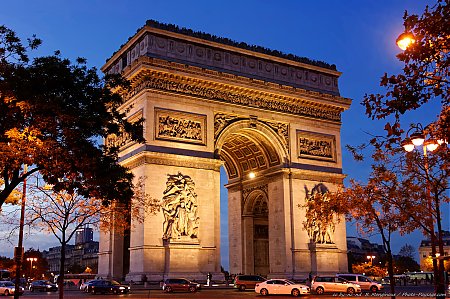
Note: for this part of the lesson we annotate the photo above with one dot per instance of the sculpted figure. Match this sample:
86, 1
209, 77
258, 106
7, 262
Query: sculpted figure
179, 207
321, 233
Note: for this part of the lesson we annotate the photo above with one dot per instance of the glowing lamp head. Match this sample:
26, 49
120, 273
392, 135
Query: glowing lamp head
251, 175
405, 40
417, 138
408, 145
431, 144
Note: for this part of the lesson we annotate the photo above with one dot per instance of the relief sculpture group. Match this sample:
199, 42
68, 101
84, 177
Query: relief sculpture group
180, 208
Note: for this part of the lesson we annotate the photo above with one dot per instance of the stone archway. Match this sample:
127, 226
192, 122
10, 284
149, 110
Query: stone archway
256, 211
250, 146
209, 104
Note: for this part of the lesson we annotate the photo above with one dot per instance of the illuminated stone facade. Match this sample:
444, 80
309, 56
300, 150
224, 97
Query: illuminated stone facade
207, 105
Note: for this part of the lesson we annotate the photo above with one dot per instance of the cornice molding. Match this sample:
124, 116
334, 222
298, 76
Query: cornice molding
249, 85
213, 91
171, 160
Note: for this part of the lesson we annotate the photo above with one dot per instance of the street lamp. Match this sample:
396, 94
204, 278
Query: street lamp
31, 260
418, 138
371, 257
405, 40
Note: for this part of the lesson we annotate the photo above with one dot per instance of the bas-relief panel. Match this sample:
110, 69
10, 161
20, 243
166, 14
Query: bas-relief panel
180, 126
316, 146
180, 208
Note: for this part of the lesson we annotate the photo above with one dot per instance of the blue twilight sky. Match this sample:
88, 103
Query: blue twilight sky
356, 35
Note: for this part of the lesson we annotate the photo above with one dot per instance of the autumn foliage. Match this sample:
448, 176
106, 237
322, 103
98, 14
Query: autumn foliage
54, 114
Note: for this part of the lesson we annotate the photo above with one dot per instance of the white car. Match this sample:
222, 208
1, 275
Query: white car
7, 288
281, 286
333, 284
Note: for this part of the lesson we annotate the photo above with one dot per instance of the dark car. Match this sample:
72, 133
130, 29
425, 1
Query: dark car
107, 286
43, 286
243, 282
181, 285
84, 285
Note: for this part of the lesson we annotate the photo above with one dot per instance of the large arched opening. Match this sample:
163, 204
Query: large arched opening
252, 152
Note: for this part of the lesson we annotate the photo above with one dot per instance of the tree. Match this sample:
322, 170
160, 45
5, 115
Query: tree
425, 75
53, 113
369, 270
403, 264
370, 205
421, 188
6, 263
407, 251
63, 213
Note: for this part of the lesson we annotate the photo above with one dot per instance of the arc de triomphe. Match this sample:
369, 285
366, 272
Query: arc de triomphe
271, 120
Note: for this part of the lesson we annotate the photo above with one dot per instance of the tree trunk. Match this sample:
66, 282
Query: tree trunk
61, 270
440, 286
390, 261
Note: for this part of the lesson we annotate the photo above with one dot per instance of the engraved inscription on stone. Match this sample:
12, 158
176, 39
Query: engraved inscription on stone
316, 146
180, 208
180, 126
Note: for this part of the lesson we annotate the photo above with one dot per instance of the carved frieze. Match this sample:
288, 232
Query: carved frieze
235, 97
180, 126
316, 146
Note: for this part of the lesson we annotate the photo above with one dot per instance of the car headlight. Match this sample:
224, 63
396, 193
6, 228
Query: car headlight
48, 286
121, 288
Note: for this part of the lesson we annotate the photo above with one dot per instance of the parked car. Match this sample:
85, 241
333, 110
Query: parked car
281, 286
181, 285
43, 286
8, 288
107, 286
243, 282
333, 284
84, 285
364, 282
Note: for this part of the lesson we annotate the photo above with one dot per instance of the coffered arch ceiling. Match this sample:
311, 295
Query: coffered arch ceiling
246, 149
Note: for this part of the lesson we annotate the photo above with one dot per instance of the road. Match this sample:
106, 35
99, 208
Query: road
401, 292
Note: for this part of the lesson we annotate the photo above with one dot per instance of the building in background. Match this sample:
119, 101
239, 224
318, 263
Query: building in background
79, 257
359, 249
426, 262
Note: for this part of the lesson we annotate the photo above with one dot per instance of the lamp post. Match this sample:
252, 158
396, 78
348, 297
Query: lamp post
31, 260
371, 257
418, 138
18, 254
